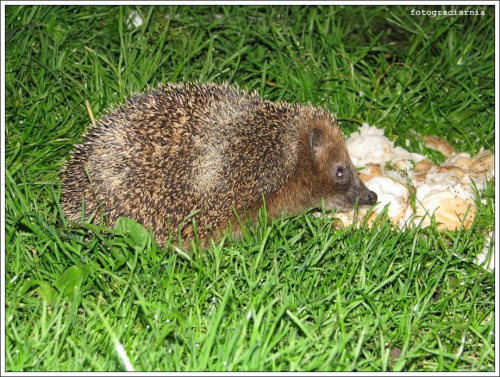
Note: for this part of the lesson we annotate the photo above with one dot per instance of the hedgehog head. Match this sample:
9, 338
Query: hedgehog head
332, 175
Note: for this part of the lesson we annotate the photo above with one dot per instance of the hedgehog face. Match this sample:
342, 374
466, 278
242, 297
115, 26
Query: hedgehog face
345, 188
336, 179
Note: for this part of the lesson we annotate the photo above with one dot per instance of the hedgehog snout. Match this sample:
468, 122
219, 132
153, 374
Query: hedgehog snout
367, 197
372, 198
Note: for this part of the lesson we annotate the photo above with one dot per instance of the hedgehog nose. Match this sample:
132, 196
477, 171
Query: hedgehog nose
372, 198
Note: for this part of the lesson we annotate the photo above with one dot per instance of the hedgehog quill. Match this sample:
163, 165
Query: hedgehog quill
210, 149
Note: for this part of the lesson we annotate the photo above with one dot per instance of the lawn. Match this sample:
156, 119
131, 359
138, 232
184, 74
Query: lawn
293, 294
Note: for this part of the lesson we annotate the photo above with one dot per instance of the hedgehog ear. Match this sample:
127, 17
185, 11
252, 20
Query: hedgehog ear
316, 142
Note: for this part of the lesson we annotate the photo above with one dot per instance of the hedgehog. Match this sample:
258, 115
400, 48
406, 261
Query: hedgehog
212, 153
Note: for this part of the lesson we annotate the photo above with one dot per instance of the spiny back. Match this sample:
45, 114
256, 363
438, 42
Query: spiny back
184, 147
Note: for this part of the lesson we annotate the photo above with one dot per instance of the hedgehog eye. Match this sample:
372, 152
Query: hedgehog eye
339, 172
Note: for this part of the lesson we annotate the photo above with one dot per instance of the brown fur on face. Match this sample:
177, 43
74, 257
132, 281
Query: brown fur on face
210, 149
324, 171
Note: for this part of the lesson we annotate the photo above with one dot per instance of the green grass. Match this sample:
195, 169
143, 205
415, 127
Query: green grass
293, 294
